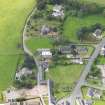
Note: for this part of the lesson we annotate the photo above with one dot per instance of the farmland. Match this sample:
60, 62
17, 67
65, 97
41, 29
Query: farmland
12, 18
101, 2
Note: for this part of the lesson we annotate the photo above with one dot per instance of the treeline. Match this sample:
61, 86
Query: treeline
78, 8
74, 7
84, 32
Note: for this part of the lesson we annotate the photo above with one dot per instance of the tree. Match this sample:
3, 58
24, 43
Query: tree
104, 12
41, 4
82, 33
96, 26
29, 62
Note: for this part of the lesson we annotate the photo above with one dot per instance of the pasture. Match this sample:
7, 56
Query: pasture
13, 14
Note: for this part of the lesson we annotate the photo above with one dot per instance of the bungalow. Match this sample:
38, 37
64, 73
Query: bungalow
22, 72
58, 11
94, 93
98, 33
45, 53
102, 52
102, 68
45, 30
51, 31
65, 50
45, 65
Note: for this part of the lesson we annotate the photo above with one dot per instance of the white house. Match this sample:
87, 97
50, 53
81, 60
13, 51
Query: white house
45, 53
98, 33
102, 52
45, 30
22, 72
58, 11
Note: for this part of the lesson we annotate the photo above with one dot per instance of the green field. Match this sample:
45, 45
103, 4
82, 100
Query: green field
100, 60
102, 2
13, 14
64, 76
8, 66
72, 24
37, 42
99, 103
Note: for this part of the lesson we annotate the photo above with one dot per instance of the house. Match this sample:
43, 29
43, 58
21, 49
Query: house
45, 53
94, 93
102, 52
23, 72
102, 68
98, 33
45, 30
58, 11
50, 31
45, 65
65, 50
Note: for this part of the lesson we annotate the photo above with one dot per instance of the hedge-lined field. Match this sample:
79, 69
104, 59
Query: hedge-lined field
13, 14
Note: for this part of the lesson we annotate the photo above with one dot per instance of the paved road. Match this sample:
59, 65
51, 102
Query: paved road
77, 90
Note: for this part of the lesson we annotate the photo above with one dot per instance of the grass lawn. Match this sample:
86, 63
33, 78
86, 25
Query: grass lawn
101, 60
102, 2
72, 24
8, 66
99, 103
36, 42
64, 76
84, 92
13, 14
12, 19
88, 53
